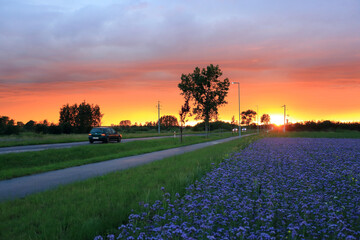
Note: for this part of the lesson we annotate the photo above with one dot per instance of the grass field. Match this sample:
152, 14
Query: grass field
314, 134
35, 139
26, 163
85, 209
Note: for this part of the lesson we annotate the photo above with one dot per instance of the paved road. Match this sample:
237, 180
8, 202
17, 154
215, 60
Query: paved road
31, 148
22, 186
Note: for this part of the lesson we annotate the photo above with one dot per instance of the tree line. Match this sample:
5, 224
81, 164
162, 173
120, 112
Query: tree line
9, 126
322, 126
73, 119
165, 121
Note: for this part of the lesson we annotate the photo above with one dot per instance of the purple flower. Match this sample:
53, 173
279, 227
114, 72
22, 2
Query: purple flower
276, 188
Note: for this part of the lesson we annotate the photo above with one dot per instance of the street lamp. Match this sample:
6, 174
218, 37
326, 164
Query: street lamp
239, 105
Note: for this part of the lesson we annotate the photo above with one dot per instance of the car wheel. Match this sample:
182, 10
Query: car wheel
119, 139
91, 141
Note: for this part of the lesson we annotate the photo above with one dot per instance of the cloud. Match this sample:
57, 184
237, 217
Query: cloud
91, 42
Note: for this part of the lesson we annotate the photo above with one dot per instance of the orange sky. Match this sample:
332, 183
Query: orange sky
126, 57
136, 101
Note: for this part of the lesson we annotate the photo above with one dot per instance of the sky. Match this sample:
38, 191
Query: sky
126, 56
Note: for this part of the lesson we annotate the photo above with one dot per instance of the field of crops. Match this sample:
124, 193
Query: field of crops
277, 188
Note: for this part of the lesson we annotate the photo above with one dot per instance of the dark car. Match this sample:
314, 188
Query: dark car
104, 134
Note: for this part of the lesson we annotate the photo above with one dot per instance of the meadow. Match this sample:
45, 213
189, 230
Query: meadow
316, 134
277, 188
96, 206
26, 163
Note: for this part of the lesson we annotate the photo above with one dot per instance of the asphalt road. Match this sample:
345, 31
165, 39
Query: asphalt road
31, 148
23, 186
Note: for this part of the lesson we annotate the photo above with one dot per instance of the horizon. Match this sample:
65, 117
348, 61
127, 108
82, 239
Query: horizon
278, 121
125, 57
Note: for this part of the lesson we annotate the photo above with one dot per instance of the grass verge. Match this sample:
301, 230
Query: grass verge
96, 206
336, 134
24, 139
26, 163
36, 139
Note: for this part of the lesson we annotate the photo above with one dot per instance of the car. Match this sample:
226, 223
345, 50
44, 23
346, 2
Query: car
104, 134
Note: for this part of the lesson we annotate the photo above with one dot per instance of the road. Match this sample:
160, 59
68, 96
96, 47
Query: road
31, 148
23, 186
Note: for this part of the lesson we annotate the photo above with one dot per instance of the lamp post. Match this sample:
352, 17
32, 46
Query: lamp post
158, 117
239, 105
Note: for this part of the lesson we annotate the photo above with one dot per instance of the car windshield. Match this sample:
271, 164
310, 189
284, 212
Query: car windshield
97, 130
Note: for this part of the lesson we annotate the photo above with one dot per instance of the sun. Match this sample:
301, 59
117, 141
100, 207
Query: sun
277, 119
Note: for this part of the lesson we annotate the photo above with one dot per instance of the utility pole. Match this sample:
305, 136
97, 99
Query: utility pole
238, 83
284, 106
159, 117
257, 118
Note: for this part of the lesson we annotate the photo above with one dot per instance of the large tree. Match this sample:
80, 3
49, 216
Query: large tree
67, 114
81, 117
248, 116
206, 91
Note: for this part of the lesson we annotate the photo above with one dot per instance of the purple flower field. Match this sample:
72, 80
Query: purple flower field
277, 188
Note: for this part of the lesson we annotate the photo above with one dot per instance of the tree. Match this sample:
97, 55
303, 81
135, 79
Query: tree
7, 126
20, 124
96, 115
67, 115
265, 119
42, 127
248, 116
168, 121
206, 90
84, 118
81, 117
30, 125
4, 122
150, 124
125, 123
185, 109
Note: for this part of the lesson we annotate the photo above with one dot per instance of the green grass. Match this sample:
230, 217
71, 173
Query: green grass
337, 134
36, 139
26, 163
96, 206
155, 134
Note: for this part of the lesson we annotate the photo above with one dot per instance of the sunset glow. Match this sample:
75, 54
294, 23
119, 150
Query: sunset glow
277, 119
127, 56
